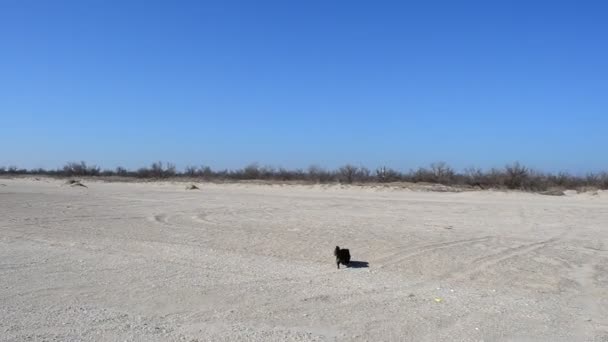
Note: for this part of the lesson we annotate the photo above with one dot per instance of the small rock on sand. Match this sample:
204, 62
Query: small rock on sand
73, 183
554, 192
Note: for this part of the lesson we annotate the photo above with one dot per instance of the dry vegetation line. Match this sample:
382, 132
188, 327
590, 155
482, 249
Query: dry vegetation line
512, 176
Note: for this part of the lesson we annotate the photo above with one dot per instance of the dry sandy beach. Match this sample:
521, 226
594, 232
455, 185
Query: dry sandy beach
155, 262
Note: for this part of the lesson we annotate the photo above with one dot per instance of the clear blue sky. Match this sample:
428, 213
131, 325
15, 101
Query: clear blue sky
294, 83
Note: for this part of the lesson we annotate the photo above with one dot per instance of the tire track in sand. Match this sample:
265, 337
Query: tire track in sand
482, 263
592, 314
397, 257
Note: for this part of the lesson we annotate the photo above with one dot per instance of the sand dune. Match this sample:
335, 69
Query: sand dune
236, 262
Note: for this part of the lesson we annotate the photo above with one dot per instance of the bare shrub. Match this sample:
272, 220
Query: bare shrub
157, 170
287, 175
596, 180
205, 172
592, 179
537, 181
496, 178
363, 175
267, 173
439, 172
251, 171
320, 175
80, 169
384, 175
191, 171
516, 176
348, 173
421, 175
39, 171
13, 170
565, 180
223, 174
601, 180
475, 177
442, 173
121, 171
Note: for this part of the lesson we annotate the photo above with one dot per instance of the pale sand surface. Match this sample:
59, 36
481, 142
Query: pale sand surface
155, 262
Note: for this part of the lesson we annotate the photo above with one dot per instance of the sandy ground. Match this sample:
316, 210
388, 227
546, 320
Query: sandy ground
155, 262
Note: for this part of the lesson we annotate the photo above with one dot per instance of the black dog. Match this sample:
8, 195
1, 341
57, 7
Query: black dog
342, 256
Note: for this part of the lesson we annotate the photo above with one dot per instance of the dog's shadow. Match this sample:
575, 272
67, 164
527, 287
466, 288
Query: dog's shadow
358, 264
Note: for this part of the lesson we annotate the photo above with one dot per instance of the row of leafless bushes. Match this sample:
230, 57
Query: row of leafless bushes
512, 176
